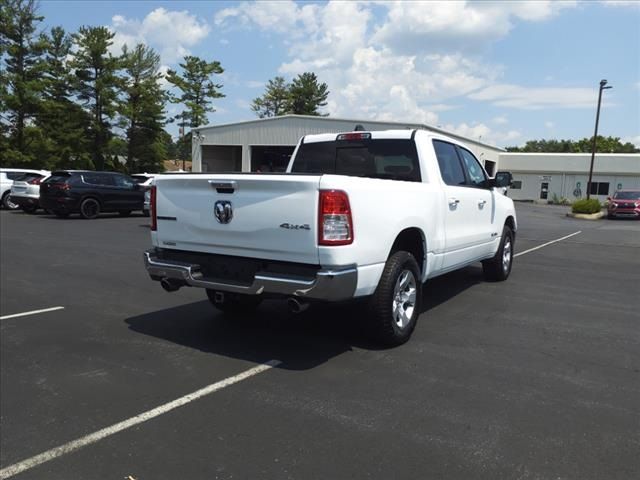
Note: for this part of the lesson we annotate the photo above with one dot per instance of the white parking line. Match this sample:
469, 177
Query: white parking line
33, 312
548, 243
74, 445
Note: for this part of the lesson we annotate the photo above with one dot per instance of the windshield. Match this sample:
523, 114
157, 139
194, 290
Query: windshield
631, 195
385, 158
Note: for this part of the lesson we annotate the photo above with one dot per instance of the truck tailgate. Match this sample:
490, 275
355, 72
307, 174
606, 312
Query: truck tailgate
262, 206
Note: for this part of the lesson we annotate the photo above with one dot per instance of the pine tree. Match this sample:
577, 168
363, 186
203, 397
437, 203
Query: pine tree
62, 121
97, 85
197, 89
143, 110
21, 83
275, 101
307, 95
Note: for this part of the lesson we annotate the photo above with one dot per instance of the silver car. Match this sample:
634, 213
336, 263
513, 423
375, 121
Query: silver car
25, 191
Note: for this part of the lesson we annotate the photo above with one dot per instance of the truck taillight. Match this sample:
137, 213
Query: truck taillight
335, 225
152, 201
35, 181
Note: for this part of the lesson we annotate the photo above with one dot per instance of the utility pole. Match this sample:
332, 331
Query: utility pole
595, 136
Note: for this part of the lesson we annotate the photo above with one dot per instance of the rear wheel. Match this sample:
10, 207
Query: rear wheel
498, 268
395, 305
89, 208
7, 203
233, 303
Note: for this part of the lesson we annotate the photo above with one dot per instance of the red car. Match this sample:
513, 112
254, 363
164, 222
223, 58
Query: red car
624, 203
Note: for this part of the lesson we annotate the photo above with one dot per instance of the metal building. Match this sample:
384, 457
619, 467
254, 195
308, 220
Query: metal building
545, 176
266, 144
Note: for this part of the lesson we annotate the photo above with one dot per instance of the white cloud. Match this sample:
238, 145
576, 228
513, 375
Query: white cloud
456, 25
254, 84
533, 98
621, 3
483, 133
170, 32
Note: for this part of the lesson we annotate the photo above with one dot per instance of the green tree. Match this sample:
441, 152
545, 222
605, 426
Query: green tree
62, 121
306, 95
97, 84
275, 101
142, 110
21, 83
603, 145
197, 90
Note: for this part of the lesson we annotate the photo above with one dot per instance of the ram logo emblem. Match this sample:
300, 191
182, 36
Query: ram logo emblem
223, 211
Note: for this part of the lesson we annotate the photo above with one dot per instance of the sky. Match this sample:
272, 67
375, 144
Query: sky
502, 72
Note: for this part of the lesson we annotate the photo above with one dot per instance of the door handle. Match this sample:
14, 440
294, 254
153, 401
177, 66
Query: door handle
453, 201
482, 203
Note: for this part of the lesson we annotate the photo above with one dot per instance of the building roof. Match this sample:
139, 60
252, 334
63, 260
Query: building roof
614, 163
398, 125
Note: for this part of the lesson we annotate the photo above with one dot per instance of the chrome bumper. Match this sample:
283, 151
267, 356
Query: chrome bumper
331, 284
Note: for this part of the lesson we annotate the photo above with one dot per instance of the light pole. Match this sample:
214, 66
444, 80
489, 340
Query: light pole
603, 86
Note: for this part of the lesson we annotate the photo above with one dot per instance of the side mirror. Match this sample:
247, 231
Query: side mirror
503, 179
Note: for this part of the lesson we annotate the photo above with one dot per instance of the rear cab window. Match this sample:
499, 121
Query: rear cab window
394, 159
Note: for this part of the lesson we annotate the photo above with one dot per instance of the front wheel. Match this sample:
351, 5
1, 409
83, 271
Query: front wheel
395, 305
233, 303
7, 203
498, 268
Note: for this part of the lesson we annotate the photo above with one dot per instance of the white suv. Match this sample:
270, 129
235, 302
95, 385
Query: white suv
7, 176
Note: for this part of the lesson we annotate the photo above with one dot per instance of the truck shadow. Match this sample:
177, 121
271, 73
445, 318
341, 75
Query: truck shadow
301, 341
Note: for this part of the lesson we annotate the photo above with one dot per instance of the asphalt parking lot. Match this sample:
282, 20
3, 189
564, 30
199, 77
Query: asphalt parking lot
538, 377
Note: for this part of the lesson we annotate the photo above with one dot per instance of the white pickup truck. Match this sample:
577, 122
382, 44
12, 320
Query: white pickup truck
359, 214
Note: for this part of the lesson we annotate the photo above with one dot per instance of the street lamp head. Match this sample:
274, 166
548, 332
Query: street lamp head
603, 83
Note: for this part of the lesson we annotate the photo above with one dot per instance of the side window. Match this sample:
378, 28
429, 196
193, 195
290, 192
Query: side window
123, 182
477, 177
105, 179
14, 175
450, 166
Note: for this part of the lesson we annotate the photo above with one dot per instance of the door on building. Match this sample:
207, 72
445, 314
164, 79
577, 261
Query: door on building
544, 190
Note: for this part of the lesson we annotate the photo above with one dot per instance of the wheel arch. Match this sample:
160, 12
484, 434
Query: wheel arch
412, 240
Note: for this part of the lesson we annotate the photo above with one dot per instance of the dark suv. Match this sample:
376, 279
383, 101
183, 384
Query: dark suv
89, 193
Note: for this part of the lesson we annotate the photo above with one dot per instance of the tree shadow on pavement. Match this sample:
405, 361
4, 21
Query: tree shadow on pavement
301, 341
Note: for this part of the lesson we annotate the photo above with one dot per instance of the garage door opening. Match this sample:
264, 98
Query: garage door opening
270, 159
221, 158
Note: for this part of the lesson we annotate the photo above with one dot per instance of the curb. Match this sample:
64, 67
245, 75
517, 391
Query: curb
586, 216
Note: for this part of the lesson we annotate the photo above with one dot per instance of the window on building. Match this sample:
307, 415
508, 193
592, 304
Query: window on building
599, 188
516, 185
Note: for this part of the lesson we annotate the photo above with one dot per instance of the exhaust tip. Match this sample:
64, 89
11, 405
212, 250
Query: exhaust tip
296, 306
169, 285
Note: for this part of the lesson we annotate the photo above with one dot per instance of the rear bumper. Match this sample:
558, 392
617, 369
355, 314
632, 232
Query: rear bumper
333, 284
25, 200
61, 203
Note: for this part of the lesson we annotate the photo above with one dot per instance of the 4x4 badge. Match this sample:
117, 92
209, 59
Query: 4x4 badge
223, 211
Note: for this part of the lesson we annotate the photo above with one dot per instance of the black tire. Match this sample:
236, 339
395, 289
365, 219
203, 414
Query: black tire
234, 303
89, 208
388, 319
498, 268
31, 209
7, 203
124, 213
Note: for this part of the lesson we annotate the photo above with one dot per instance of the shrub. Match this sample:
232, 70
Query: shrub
586, 206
